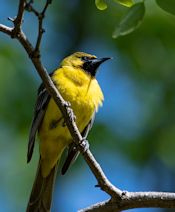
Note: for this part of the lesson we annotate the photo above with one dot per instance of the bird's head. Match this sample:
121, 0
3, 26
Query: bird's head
87, 62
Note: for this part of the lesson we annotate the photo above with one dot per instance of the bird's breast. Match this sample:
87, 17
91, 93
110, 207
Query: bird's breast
84, 95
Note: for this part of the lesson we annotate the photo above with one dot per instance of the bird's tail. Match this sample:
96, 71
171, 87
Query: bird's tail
41, 195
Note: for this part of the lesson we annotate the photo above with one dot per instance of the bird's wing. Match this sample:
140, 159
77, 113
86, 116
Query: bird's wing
40, 108
73, 151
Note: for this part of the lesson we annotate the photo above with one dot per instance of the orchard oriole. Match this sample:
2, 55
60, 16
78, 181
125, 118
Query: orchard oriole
75, 80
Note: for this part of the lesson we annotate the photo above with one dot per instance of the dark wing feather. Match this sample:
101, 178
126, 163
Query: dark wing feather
73, 151
40, 108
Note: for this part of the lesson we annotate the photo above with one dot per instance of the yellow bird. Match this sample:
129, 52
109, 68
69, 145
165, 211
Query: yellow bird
75, 80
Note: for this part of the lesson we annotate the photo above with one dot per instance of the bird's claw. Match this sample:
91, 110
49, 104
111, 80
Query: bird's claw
84, 144
67, 104
70, 111
71, 114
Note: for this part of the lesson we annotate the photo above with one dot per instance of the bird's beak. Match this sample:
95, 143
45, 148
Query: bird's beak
98, 61
91, 66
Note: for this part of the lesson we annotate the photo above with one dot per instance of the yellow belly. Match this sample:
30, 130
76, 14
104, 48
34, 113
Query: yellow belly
53, 133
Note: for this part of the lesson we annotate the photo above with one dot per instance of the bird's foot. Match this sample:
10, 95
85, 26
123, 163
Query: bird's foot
70, 113
84, 144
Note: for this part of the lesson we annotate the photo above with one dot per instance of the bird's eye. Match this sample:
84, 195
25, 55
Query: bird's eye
85, 58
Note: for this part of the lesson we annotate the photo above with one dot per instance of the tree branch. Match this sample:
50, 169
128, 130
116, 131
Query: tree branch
119, 200
130, 200
40, 15
5, 29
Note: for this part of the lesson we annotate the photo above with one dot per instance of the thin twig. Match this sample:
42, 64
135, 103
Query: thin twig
40, 26
18, 20
40, 15
29, 7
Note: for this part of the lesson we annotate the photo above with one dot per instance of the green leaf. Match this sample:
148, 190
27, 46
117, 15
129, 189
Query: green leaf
101, 4
167, 5
131, 20
127, 3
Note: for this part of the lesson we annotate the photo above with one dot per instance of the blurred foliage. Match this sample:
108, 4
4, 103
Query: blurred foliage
101, 4
16, 94
168, 5
131, 20
134, 16
134, 133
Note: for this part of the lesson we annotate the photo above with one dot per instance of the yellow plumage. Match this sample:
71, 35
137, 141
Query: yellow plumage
84, 99
75, 80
